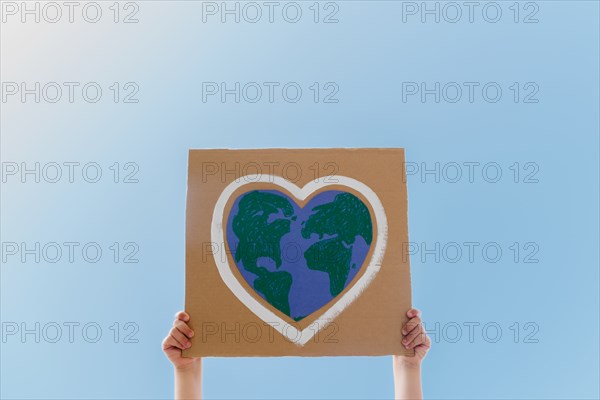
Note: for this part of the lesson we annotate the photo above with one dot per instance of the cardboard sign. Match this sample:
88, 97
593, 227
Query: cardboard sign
297, 252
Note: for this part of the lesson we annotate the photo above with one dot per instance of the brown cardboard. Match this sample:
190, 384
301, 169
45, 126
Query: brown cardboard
370, 324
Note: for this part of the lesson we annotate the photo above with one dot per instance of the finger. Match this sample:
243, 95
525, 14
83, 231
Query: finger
418, 330
425, 344
182, 316
171, 342
427, 341
184, 328
181, 338
410, 325
417, 341
413, 312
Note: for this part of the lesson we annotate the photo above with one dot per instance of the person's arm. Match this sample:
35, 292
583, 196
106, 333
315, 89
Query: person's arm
407, 369
188, 371
188, 382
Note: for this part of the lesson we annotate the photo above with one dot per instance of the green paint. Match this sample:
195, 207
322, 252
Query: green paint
276, 288
260, 238
344, 218
331, 256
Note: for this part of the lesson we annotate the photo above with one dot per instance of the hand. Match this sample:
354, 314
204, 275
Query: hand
177, 340
414, 337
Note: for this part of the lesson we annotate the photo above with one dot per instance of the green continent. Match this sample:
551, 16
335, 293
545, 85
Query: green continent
276, 288
331, 256
344, 218
260, 238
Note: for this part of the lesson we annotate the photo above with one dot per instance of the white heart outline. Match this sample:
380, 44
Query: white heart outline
301, 337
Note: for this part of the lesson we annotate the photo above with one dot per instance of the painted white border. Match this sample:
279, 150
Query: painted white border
300, 337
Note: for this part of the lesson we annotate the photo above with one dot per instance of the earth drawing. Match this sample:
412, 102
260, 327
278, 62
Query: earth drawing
299, 259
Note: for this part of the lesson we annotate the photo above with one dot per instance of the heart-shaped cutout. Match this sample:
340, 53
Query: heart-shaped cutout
299, 258
312, 250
